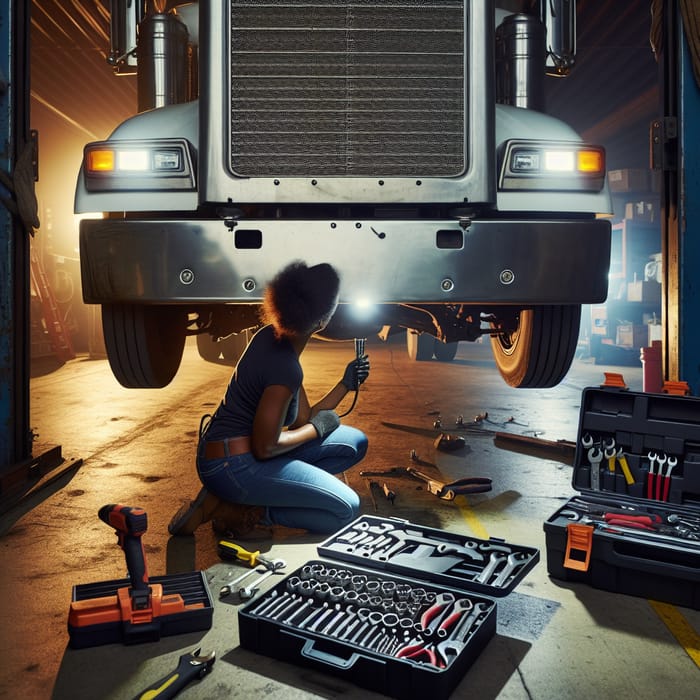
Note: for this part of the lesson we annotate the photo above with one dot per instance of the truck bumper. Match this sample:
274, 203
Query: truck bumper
491, 261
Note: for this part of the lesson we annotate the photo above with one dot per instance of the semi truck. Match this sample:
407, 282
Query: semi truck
406, 142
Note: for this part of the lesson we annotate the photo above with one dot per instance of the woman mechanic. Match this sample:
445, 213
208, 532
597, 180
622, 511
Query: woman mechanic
267, 457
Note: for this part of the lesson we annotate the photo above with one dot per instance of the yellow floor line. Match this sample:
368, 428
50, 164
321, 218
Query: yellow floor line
680, 628
474, 523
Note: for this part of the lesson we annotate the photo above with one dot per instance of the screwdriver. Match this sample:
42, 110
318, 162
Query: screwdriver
231, 550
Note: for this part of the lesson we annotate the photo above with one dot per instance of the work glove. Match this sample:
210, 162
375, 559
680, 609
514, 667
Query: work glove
355, 373
325, 422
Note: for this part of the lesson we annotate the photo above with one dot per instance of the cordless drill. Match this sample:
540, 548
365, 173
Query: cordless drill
130, 524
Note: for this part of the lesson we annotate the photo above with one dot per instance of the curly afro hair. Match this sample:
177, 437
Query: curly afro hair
300, 299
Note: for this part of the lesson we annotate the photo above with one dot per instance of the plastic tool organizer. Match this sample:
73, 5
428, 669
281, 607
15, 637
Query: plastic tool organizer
635, 527
394, 607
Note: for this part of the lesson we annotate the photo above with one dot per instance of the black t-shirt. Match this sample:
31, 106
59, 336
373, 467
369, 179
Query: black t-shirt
266, 361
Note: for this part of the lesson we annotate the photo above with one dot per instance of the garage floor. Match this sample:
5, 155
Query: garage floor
554, 639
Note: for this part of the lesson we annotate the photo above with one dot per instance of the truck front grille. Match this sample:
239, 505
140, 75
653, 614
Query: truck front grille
356, 89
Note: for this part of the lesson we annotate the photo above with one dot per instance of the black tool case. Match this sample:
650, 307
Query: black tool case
387, 595
634, 532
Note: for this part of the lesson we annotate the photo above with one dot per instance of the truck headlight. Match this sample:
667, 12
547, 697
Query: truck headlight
138, 165
539, 165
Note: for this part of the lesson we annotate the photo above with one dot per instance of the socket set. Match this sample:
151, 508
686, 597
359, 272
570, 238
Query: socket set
373, 624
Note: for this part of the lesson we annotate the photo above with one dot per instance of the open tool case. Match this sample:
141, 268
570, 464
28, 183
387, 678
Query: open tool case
394, 607
635, 528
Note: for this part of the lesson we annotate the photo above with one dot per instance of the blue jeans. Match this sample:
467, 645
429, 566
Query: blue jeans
299, 487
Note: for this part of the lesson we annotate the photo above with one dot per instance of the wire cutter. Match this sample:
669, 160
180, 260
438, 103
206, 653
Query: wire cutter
469, 484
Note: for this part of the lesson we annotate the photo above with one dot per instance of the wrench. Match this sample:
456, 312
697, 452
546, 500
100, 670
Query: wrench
595, 457
404, 537
247, 592
512, 563
451, 647
494, 562
231, 586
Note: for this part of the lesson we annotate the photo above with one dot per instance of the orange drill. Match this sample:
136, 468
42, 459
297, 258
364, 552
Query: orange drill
130, 524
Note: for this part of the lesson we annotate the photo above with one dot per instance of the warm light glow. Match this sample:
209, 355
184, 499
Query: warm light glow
560, 161
100, 161
590, 161
133, 160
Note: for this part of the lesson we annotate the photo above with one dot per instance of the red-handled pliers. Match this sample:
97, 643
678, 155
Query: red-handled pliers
638, 522
643, 522
420, 651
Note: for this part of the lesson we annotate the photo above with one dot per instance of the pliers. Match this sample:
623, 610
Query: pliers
420, 651
469, 484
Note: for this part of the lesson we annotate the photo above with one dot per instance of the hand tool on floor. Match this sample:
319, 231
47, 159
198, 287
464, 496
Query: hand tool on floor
448, 492
189, 667
449, 443
231, 586
231, 550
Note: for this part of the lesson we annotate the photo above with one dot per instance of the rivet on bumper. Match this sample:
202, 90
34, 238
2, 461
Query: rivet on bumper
507, 276
186, 276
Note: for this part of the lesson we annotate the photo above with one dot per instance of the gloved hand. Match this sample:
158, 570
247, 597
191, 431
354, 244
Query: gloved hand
325, 422
355, 373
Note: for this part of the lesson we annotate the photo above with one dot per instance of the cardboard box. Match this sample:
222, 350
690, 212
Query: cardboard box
629, 180
631, 335
644, 291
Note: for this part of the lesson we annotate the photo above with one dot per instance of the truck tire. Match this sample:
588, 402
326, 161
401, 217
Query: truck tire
144, 343
419, 345
444, 352
226, 351
538, 354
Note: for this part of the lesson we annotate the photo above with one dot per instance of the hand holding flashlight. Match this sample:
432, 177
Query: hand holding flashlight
357, 371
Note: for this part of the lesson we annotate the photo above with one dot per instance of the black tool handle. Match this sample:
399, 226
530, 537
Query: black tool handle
169, 686
130, 524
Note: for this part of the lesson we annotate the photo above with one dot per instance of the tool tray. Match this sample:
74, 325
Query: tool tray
374, 612
92, 629
635, 528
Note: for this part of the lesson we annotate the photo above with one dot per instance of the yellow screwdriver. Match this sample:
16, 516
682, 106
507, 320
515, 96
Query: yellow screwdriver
231, 550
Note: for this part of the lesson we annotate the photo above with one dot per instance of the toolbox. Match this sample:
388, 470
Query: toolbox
635, 527
102, 612
390, 605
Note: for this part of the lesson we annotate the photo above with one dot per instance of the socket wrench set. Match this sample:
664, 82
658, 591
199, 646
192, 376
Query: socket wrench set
635, 528
393, 606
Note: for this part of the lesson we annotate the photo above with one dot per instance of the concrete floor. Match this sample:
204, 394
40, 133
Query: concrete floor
554, 639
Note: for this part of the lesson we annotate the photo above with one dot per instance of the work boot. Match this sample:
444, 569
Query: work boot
192, 515
240, 521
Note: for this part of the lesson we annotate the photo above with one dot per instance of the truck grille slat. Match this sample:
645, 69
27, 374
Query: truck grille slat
364, 89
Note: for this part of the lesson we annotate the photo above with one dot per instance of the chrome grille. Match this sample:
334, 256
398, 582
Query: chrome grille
361, 89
